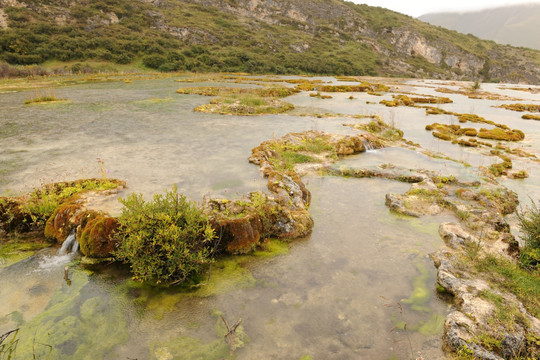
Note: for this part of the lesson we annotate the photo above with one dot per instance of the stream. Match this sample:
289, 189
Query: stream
361, 286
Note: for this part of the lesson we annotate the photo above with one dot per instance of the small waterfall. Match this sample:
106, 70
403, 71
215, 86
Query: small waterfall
70, 245
368, 146
65, 255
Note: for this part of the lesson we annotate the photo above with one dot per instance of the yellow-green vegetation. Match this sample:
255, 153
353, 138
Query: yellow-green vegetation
380, 128
431, 110
224, 275
243, 101
507, 275
404, 100
292, 153
166, 240
433, 326
14, 250
521, 107
318, 95
43, 99
529, 221
452, 132
192, 348
463, 118
34, 209
501, 134
399, 100
530, 117
363, 87
421, 294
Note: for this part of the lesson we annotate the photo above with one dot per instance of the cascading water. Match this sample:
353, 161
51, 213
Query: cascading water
67, 252
70, 245
368, 146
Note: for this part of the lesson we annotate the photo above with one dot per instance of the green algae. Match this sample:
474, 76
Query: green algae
184, 347
271, 248
73, 326
13, 252
225, 275
434, 326
421, 294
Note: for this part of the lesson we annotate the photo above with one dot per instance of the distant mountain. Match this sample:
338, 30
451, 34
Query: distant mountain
257, 36
517, 25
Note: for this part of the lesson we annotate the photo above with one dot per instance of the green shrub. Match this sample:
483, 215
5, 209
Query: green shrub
166, 240
530, 228
154, 61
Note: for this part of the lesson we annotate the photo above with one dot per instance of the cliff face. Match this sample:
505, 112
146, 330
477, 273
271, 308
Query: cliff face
278, 36
515, 25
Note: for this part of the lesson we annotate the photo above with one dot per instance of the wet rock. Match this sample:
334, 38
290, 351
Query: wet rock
454, 236
95, 234
239, 235
64, 219
395, 203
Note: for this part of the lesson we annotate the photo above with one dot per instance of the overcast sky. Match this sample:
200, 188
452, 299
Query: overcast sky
420, 7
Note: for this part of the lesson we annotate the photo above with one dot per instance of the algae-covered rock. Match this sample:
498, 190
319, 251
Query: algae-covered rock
95, 234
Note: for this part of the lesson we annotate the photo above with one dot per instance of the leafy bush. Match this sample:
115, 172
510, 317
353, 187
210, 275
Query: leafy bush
530, 228
154, 61
166, 240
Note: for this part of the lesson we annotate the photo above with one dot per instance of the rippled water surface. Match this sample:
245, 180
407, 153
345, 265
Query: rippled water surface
345, 292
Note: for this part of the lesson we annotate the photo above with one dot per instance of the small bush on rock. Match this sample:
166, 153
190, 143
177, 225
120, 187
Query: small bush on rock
166, 240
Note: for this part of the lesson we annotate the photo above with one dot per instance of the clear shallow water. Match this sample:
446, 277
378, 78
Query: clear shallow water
333, 296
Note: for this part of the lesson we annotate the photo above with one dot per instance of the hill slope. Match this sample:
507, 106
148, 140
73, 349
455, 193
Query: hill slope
517, 25
259, 36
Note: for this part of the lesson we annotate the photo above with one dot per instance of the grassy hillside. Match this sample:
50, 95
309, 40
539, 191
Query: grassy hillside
516, 25
298, 36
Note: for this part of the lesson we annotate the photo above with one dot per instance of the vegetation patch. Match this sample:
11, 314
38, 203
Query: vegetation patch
534, 108
31, 211
501, 134
530, 117
165, 240
529, 221
520, 282
243, 101
404, 100
378, 127
43, 99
